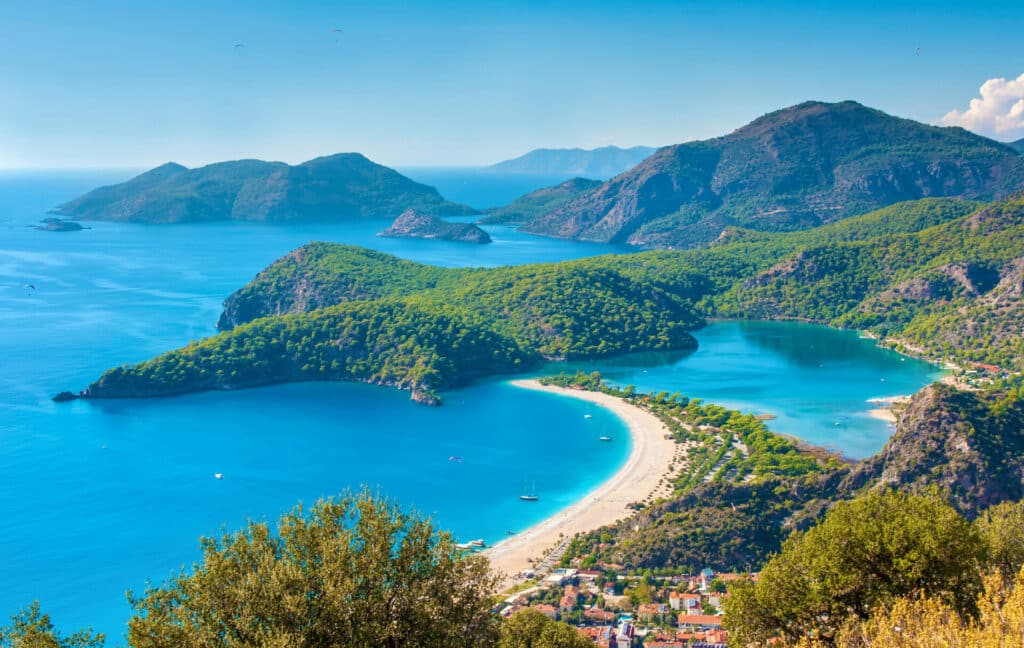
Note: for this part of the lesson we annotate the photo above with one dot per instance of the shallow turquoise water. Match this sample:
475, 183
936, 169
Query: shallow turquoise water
815, 380
98, 497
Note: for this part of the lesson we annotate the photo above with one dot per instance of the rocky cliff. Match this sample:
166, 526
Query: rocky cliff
413, 224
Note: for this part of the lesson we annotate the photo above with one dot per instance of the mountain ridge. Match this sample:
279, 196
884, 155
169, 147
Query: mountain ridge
794, 168
599, 163
344, 185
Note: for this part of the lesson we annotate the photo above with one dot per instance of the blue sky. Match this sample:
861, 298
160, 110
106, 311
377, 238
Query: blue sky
429, 83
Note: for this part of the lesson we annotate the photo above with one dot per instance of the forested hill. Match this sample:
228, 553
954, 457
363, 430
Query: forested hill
944, 277
969, 444
797, 168
1019, 145
356, 315
346, 185
539, 202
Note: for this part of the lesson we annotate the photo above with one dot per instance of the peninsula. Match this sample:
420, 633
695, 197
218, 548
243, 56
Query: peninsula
334, 312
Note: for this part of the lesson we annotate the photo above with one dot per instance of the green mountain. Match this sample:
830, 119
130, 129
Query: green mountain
602, 163
412, 326
413, 224
794, 169
951, 291
943, 278
539, 202
346, 185
1019, 145
969, 444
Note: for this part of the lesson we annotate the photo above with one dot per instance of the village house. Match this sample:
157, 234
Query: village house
699, 622
588, 575
599, 616
685, 602
567, 604
603, 636
652, 611
547, 610
560, 577
624, 635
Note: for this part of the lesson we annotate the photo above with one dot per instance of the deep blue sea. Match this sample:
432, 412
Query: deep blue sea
98, 497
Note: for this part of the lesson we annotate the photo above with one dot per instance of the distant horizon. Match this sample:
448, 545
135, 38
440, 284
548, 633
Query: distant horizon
146, 167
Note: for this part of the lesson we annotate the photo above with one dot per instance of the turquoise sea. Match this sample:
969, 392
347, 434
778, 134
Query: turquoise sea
98, 497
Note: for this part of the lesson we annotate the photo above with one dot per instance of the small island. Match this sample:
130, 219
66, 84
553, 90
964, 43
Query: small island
58, 225
413, 224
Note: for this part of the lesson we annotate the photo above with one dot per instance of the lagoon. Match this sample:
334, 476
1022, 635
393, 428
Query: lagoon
100, 496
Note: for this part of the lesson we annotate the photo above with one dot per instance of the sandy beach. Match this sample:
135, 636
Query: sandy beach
883, 414
886, 410
639, 477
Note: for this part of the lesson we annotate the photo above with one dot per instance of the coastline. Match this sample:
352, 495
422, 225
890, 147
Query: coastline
886, 407
641, 476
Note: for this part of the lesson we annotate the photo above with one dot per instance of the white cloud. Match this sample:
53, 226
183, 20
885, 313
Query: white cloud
998, 113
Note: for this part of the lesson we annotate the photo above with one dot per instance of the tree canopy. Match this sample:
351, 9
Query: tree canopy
30, 628
865, 553
531, 629
352, 571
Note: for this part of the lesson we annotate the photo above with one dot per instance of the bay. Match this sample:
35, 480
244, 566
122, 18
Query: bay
98, 497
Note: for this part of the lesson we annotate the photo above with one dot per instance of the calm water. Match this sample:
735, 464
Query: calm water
815, 380
99, 497
480, 188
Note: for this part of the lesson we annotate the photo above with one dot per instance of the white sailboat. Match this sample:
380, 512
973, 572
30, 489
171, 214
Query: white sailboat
531, 495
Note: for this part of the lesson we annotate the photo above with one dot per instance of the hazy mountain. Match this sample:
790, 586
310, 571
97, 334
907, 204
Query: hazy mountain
1019, 145
796, 168
600, 163
346, 185
540, 201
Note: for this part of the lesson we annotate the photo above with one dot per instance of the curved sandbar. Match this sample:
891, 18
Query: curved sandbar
648, 462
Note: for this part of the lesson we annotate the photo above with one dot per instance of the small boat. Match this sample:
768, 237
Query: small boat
477, 543
507, 532
465, 546
218, 475
586, 416
604, 438
531, 495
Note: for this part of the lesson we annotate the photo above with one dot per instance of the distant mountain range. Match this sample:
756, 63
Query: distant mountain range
600, 163
1019, 145
346, 185
797, 168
